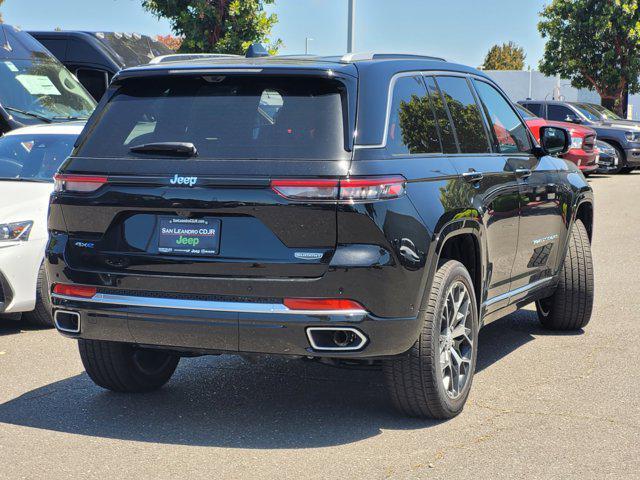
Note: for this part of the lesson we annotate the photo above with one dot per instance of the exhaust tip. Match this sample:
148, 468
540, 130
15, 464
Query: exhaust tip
336, 339
67, 321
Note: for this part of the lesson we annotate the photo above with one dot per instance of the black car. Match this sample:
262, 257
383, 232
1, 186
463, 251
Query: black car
623, 135
95, 57
369, 208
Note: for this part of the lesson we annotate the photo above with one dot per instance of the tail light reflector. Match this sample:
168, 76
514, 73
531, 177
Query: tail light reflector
321, 304
347, 190
77, 183
74, 290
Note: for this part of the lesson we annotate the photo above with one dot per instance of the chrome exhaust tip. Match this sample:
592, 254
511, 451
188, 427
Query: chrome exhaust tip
336, 339
67, 321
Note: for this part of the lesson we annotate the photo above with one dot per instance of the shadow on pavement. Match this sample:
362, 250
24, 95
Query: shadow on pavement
226, 402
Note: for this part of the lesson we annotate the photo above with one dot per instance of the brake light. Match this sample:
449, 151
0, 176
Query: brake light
74, 290
355, 189
321, 304
77, 183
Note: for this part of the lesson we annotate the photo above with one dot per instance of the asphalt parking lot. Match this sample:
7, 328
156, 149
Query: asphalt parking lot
543, 405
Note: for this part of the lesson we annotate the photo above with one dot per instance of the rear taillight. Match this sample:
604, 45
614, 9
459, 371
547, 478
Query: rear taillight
306, 189
322, 304
74, 290
77, 183
345, 190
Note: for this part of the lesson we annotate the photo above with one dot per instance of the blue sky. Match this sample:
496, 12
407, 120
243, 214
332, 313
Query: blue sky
460, 30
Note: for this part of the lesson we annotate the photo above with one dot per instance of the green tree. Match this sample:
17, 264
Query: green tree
217, 26
595, 44
507, 56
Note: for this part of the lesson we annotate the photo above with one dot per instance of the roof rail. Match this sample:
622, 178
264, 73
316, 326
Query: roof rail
359, 56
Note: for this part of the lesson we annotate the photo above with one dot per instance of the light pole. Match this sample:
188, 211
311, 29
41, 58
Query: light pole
351, 26
306, 44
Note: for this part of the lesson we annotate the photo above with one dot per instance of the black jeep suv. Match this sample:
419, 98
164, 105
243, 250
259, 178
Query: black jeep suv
372, 208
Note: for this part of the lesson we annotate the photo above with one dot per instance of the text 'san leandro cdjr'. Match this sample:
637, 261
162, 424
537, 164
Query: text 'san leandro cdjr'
369, 208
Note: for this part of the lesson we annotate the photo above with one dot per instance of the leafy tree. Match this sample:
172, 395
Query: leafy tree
595, 44
170, 41
217, 26
507, 56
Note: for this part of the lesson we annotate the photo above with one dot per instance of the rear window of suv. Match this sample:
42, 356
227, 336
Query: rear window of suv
225, 117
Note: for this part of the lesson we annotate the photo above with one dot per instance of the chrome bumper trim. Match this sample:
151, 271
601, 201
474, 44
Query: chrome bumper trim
203, 305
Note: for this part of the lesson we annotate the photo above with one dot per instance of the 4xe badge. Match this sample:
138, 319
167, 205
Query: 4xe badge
178, 180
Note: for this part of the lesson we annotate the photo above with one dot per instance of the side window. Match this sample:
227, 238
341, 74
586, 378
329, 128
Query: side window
559, 113
412, 126
509, 133
465, 114
95, 81
535, 108
444, 124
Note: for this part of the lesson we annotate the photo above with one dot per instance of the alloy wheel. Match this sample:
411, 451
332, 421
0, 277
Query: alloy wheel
456, 340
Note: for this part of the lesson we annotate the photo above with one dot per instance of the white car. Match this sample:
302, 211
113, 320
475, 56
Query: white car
29, 157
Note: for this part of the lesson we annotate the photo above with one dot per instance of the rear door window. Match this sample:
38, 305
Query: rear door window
226, 117
508, 132
445, 128
465, 114
412, 124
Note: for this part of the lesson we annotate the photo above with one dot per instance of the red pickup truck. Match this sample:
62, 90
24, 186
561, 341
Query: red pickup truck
583, 139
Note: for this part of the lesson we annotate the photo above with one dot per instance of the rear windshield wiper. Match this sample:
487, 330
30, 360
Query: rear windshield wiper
178, 148
29, 114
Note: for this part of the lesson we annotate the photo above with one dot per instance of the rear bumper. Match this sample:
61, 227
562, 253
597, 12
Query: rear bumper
230, 327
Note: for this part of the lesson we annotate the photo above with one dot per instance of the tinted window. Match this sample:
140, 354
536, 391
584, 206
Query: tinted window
509, 133
524, 113
559, 113
33, 157
588, 111
412, 127
226, 117
95, 81
444, 124
465, 114
535, 108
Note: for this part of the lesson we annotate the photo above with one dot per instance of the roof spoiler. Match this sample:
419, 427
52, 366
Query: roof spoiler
256, 50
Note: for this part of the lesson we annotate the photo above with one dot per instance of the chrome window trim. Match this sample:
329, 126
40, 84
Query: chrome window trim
516, 291
413, 73
202, 305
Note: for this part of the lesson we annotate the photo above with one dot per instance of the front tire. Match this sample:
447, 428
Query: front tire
569, 308
41, 315
433, 379
122, 367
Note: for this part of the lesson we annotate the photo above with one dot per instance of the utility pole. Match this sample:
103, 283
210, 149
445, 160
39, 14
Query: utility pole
306, 45
351, 26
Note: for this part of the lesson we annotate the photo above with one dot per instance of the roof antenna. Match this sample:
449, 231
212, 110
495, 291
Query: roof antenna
256, 50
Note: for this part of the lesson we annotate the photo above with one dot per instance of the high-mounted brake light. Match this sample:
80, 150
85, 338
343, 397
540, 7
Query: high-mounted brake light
74, 290
77, 183
321, 304
355, 189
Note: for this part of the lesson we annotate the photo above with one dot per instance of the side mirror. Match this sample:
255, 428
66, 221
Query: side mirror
554, 140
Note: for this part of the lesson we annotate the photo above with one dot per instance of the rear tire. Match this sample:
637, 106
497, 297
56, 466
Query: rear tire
41, 315
569, 308
123, 367
422, 382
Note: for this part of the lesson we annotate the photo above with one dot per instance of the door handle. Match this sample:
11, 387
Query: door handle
472, 176
523, 172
